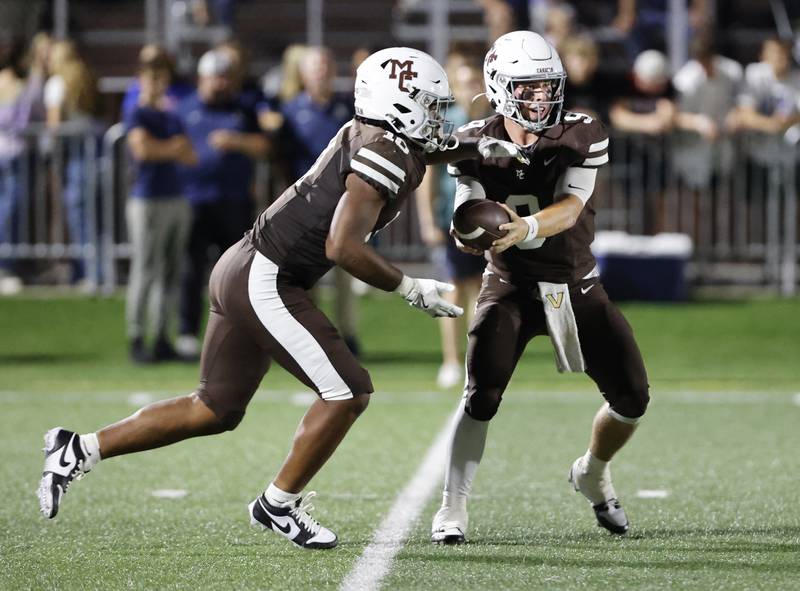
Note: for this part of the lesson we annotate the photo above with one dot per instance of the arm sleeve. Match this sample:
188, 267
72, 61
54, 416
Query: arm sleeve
467, 188
589, 151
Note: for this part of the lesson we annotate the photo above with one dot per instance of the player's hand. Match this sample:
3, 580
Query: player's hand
463, 247
517, 230
490, 147
426, 294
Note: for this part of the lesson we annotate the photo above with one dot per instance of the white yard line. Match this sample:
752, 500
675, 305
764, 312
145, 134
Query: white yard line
657, 493
390, 536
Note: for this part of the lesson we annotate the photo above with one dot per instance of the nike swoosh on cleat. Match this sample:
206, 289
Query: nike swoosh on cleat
279, 528
67, 448
283, 524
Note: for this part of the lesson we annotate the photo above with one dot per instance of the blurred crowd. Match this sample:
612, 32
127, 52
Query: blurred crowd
194, 142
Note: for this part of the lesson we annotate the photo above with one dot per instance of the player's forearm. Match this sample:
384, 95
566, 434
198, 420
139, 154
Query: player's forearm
558, 217
364, 263
467, 149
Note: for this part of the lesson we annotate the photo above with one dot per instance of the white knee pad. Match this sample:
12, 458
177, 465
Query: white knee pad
618, 417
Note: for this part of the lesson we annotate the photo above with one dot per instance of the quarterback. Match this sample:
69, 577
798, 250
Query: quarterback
260, 310
541, 277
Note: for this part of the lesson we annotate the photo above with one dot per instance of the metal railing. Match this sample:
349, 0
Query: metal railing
50, 199
739, 208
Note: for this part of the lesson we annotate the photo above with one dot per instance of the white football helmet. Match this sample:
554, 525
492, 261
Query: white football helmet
407, 89
511, 70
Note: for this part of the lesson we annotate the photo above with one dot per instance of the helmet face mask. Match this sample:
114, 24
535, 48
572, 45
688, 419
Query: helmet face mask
436, 129
535, 103
408, 90
525, 80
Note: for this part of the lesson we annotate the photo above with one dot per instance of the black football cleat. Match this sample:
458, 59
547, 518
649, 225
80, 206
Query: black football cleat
292, 522
611, 516
64, 461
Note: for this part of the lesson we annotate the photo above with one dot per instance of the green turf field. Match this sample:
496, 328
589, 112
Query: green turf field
721, 439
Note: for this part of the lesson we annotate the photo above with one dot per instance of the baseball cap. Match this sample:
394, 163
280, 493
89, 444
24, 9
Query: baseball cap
214, 63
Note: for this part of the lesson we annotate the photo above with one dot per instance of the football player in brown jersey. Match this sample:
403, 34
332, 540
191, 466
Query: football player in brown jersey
541, 277
260, 309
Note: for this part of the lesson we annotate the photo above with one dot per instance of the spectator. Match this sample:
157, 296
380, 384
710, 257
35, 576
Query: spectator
500, 17
38, 58
226, 137
283, 82
587, 89
648, 112
770, 102
17, 99
71, 100
649, 109
158, 215
250, 95
643, 23
768, 106
177, 91
311, 119
706, 87
560, 24
218, 12
435, 202
358, 56
314, 116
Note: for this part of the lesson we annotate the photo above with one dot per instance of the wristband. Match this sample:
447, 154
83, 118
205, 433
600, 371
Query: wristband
405, 286
533, 227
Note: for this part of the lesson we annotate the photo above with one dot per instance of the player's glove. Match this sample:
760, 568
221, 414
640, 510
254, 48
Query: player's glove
489, 147
426, 294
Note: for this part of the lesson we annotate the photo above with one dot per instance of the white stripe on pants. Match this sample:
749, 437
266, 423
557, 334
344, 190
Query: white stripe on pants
293, 336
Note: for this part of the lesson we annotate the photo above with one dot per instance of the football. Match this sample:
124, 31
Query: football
476, 222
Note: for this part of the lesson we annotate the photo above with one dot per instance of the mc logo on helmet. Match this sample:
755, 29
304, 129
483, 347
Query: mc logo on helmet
401, 70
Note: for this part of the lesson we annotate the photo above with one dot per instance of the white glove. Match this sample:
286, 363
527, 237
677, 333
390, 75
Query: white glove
426, 294
490, 147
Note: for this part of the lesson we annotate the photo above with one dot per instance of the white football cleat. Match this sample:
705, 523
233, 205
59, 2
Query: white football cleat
450, 524
594, 487
64, 461
292, 522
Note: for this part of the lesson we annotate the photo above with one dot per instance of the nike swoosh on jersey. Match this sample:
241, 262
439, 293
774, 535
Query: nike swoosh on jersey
571, 186
584, 291
549, 160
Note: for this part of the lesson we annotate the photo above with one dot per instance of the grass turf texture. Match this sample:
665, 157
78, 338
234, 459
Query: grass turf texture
721, 436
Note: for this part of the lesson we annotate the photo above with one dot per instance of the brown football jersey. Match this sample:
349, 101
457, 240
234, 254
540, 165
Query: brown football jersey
578, 142
292, 231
